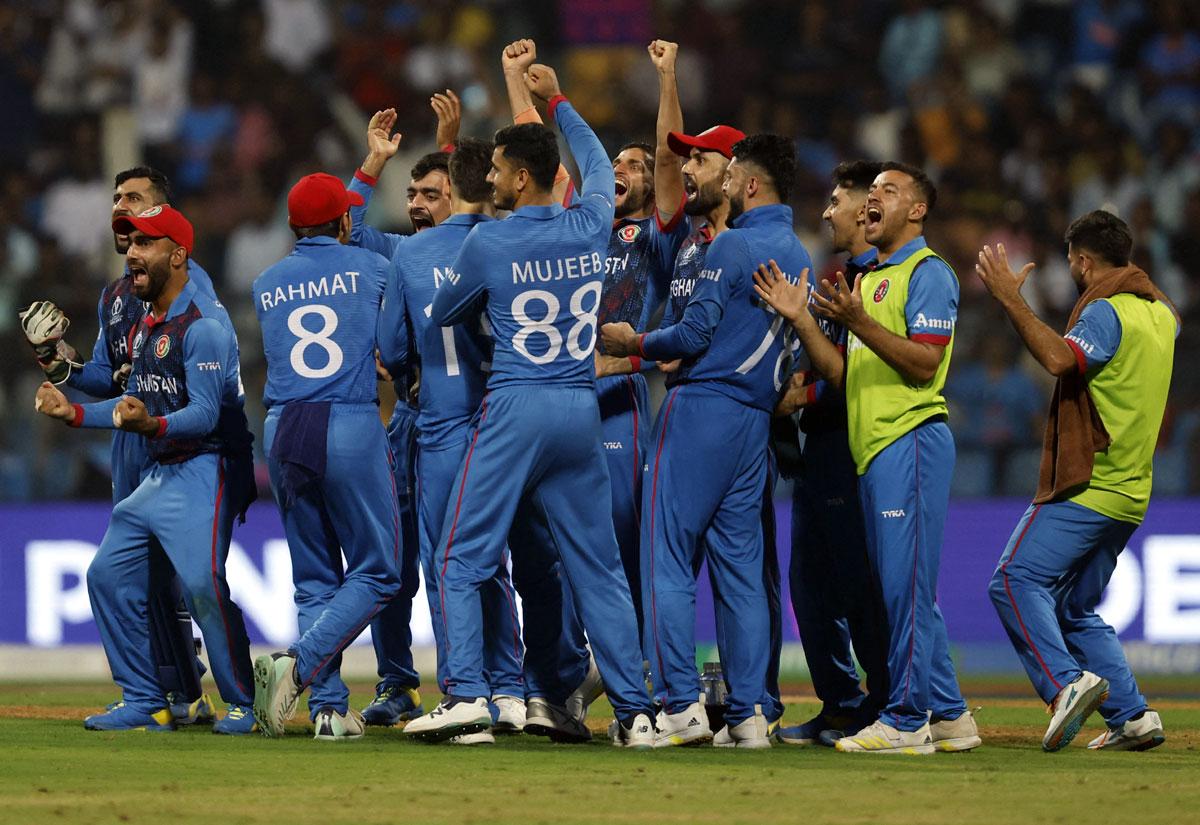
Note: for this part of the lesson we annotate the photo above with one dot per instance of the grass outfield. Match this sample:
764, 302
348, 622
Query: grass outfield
55, 771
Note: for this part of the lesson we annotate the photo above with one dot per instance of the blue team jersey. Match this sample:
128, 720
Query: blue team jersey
452, 359
637, 271
186, 372
318, 309
540, 273
120, 311
726, 336
689, 261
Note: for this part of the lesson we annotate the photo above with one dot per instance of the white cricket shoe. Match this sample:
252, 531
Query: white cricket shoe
483, 737
881, 737
639, 735
589, 691
276, 691
452, 717
688, 727
332, 726
1143, 732
955, 735
1071, 708
751, 732
545, 719
511, 716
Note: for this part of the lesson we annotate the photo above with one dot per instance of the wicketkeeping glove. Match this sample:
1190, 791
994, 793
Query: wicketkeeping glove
44, 325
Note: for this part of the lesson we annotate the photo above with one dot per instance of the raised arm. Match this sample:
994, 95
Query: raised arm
382, 146
515, 60
668, 168
594, 165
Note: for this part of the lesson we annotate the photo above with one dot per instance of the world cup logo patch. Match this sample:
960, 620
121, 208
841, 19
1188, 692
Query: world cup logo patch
882, 290
162, 346
629, 232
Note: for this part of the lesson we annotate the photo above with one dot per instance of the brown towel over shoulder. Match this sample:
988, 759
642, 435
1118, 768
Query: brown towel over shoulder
1074, 431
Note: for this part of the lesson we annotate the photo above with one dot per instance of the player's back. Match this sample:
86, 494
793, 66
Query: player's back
747, 356
318, 309
453, 380
545, 271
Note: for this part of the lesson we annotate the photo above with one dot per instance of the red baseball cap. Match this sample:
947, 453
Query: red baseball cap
319, 198
158, 222
717, 139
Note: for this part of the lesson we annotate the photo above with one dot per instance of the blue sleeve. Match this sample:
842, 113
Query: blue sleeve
98, 415
668, 238
932, 308
363, 234
96, 377
206, 349
714, 287
457, 297
1095, 336
599, 190
391, 332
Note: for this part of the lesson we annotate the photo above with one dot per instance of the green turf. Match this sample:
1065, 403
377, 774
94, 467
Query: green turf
57, 772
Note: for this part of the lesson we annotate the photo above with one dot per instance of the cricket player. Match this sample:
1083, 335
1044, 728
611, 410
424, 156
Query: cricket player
453, 382
329, 458
184, 396
1114, 370
536, 453
718, 412
830, 575
105, 376
396, 696
900, 319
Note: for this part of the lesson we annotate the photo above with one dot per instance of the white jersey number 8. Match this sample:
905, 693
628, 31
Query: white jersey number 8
584, 320
319, 338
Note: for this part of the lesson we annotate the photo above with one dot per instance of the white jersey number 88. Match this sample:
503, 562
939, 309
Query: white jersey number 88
584, 320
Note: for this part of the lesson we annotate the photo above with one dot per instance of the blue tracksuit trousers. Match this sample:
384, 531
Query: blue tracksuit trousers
835, 596
905, 492
704, 494
537, 450
184, 509
352, 512
503, 652
1046, 588
391, 632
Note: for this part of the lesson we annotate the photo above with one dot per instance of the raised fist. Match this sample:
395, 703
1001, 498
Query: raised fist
662, 54
542, 81
518, 56
130, 414
50, 401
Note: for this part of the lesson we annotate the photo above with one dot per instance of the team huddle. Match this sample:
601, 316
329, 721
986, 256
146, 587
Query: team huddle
521, 457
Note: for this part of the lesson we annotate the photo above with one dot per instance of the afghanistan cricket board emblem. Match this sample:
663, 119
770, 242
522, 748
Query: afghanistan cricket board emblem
162, 346
882, 290
629, 232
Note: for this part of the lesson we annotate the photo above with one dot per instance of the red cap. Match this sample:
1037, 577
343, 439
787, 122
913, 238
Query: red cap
319, 198
158, 222
717, 139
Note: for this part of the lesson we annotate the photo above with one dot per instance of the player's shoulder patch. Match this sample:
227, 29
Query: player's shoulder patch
629, 232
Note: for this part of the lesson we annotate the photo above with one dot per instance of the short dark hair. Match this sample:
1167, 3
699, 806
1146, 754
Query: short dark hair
775, 155
329, 229
1102, 233
922, 181
158, 181
856, 175
532, 147
469, 166
433, 162
646, 148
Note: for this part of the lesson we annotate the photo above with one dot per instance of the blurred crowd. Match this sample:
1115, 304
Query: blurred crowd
1026, 113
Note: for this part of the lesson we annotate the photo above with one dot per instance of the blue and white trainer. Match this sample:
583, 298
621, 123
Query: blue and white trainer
393, 705
238, 721
332, 726
1071, 708
121, 716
